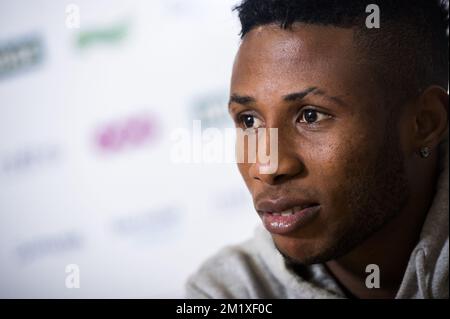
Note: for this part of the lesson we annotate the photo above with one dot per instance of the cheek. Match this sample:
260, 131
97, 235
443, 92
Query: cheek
332, 165
325, 163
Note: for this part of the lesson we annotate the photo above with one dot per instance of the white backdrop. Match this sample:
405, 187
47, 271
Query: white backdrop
86, 116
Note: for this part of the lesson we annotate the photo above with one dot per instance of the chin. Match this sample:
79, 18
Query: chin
301, 251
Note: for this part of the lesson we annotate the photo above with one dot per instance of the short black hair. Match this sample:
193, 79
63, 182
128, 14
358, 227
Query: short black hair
410, 48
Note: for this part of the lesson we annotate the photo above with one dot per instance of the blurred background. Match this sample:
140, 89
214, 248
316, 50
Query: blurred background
90, 93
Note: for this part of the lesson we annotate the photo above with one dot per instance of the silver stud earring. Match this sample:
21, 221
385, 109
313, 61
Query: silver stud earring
425, 152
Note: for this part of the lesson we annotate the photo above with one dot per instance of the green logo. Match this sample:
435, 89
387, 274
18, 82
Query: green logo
110, 35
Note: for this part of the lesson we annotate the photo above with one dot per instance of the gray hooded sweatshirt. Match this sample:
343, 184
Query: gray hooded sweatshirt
255, 268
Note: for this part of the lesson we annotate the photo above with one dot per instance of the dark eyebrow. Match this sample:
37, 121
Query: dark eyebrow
241, 99
298, 95
245, 99
314, 90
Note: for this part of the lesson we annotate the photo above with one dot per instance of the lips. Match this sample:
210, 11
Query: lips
283, 215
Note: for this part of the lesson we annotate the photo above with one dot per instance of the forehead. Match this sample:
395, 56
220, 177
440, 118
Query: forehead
274, 62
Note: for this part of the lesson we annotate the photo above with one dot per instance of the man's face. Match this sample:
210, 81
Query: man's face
339, 151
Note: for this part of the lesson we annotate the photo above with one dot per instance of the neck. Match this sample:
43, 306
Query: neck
390, 248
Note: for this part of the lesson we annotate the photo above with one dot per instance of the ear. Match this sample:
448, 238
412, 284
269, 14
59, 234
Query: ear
431, 118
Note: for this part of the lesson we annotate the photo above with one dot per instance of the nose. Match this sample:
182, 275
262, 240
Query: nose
289, 165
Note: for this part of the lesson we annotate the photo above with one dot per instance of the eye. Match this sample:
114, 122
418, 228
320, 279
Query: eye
311, 116
249, 121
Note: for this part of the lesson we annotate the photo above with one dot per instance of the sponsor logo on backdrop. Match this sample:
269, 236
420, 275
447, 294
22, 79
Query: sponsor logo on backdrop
152, 224
127, 133
212, 110
41, 247
110, 35
179, 7
29, 159
230, 200
20, 54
